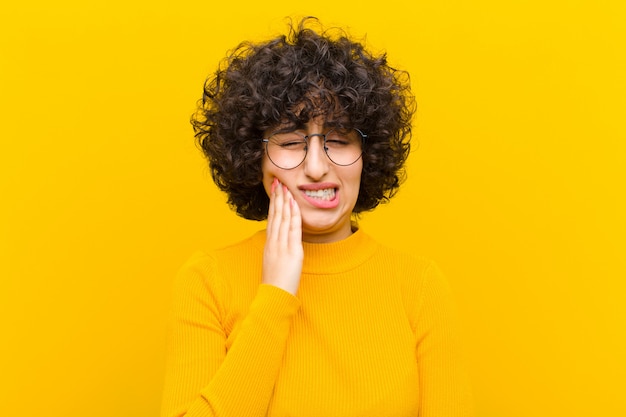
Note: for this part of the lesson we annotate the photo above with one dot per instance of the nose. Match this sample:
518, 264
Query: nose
316, 163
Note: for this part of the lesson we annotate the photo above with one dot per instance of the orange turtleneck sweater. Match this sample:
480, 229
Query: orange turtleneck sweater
370, 333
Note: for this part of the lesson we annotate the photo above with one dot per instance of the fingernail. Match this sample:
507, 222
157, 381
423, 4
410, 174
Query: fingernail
274, 184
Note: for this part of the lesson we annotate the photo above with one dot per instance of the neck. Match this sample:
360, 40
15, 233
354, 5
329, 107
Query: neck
312, 236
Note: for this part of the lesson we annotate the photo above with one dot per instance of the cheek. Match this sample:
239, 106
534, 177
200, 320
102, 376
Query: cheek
271, 171
268, 175
356, 178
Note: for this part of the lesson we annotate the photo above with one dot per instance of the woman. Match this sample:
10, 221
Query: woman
310, 317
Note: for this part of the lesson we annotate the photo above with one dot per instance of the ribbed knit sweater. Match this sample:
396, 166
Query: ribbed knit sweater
371, 332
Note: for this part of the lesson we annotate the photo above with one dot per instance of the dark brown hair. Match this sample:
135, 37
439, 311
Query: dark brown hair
291, 79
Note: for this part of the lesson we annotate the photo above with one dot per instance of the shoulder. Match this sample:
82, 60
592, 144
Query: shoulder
237, 252
212, 269
407, 265
419, 279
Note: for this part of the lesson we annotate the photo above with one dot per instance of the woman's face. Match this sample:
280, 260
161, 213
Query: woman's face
325, 192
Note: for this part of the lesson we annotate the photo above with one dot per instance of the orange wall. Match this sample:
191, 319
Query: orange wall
516, 189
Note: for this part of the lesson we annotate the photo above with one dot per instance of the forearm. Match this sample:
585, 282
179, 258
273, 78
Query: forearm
239, 382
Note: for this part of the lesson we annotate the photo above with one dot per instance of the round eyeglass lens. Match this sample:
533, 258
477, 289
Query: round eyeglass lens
343, 147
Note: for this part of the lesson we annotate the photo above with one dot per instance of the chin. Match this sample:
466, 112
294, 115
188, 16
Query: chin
326, 224
318, 228
320, 221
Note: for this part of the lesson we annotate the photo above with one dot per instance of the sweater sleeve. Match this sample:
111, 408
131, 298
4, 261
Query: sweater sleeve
444, 384
206, 377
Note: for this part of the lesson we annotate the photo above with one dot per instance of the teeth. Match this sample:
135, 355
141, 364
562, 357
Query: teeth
326, 194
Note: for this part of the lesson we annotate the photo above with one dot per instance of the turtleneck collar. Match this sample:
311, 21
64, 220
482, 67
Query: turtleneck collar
335, 257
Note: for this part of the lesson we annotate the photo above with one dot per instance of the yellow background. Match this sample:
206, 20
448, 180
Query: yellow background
516, 189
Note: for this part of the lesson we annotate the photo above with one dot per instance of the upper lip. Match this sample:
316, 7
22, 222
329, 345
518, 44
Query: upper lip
317, 186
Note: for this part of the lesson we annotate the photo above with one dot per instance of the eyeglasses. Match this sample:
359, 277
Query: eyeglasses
287, 150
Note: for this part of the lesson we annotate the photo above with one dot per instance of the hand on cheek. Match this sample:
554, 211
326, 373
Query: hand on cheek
283, 253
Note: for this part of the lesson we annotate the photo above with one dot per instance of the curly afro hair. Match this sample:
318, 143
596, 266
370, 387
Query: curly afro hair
292, 79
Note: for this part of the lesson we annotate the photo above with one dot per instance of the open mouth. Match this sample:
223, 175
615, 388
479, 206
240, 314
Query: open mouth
325, 194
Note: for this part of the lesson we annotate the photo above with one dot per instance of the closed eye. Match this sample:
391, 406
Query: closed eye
296, 144
289, 140
336, 143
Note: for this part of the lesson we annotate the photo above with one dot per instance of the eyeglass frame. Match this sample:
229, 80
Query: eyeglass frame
306, 151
